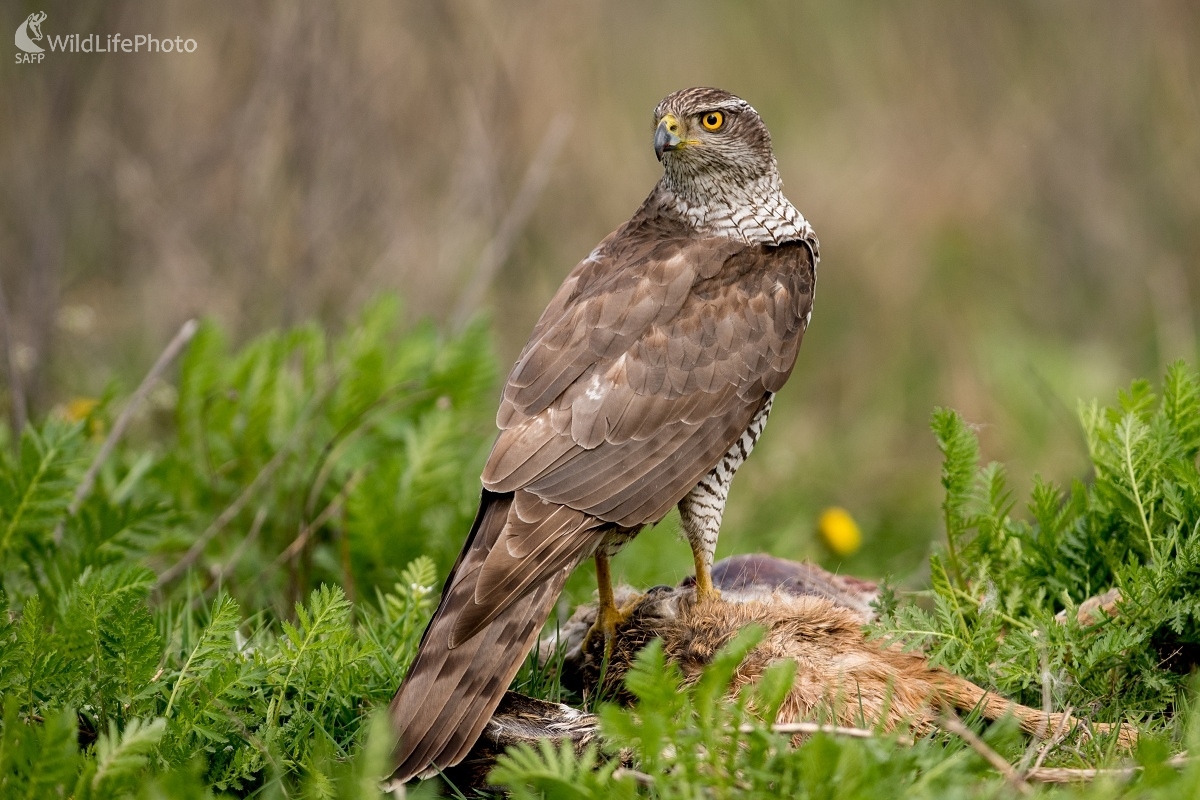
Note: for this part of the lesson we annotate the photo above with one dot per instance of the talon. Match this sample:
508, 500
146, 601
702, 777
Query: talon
608, 616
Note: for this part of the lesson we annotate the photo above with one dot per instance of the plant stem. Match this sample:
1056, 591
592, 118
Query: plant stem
1133, 482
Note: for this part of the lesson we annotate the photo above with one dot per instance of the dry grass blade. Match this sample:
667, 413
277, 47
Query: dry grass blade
954, 725
168, 355
641, 778
306, 532
814, 727
233, 509
1076, 775
222, 520
1060, 733
219, 572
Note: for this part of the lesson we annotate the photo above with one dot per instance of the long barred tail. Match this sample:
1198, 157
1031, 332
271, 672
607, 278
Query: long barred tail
449, 695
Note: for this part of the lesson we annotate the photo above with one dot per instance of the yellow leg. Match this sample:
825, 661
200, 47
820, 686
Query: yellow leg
704, 584
608, 616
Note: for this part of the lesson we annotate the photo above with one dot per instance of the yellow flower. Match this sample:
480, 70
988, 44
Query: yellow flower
839, 530
80, 408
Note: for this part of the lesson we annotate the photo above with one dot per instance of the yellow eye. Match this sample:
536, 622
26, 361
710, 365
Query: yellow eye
713, 120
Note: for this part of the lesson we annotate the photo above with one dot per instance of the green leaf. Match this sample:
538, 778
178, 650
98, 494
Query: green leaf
211, 649
37, 760
121, 755
960, 457
35, 491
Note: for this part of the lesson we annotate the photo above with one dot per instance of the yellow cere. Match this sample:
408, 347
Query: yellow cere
713, 120
839, 531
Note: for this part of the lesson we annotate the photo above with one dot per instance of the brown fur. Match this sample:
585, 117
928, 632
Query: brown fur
810, 616
841, 677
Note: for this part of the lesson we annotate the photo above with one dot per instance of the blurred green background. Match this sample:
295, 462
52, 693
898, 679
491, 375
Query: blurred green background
1007, 197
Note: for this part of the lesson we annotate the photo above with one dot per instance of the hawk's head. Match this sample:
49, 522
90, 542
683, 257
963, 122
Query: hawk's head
706, 135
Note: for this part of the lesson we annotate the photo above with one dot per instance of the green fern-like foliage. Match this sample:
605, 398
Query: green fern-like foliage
1134, 526
36, 486
260, 706
229, 609
301, 463
361, 453
557, 771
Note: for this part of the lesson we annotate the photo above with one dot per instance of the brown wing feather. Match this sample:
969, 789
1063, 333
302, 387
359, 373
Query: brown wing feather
538, 540
644, 369
595, 430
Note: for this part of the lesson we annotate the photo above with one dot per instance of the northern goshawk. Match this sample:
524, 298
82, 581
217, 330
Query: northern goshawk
645, 385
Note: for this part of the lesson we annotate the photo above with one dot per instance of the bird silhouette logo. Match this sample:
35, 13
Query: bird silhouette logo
30, 32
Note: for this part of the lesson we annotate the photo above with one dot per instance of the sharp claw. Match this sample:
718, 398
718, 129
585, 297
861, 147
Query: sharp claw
608, 619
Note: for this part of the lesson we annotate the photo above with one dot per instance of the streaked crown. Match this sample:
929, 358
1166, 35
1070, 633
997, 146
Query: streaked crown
704, 130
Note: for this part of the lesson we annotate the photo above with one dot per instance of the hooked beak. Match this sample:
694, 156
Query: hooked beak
666, 136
